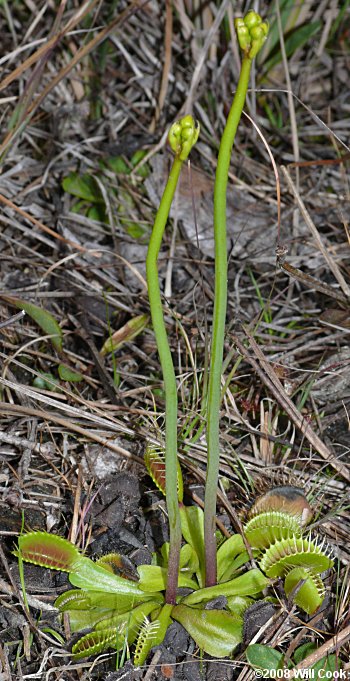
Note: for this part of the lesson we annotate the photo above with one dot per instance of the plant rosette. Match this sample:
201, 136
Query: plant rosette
119, 610
122, 606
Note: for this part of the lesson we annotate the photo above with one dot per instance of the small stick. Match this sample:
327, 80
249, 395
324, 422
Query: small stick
328, 258
12, 320
308, 280
268, 376
334, 643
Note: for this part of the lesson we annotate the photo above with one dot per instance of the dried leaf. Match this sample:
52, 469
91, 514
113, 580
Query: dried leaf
125, 334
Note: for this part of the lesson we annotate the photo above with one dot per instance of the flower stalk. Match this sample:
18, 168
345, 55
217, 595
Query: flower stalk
182, 136
251, 33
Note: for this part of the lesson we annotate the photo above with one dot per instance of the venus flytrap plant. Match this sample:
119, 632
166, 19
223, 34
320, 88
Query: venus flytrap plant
116, 608
120, 606
251, 32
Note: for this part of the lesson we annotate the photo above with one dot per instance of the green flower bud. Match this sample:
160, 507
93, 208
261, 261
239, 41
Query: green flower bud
242, 35
251, 33
183, 135
252, 19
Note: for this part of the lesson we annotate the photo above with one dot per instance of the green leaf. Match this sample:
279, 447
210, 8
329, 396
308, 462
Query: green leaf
80, 208
41, 317
217, 632
97, 212
87, 575
264, 657
67, 374
340, 15
144, 170
46, 381
81, 620
239, 604
87, 608
303, 651
54, 634
227, 552
118, 165
188, 559
138, 156
289, 16
326, 664
330, 664
237, 563
83, 186
134, 230
249, 584
192, 527
154, 578
164, 552
138, 613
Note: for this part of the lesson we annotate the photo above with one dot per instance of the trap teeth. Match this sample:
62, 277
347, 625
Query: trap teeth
292, 552
266, 528
306, 589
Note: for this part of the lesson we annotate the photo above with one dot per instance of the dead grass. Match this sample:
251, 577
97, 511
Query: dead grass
81, 85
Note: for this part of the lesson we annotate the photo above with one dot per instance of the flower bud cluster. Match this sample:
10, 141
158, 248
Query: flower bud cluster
183, 135
251, 32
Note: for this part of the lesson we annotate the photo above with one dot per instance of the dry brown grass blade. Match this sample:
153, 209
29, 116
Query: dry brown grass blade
80, 54
334, 643
167, 58
321, 162
268, 376
292, 115
197, 73
309, 222
33, 81
73, 532
41, 225
308, 280
19, 410
41, 51
85, 50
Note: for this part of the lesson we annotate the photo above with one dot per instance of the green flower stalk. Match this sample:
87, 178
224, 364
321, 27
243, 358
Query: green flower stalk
182, 136
251, 33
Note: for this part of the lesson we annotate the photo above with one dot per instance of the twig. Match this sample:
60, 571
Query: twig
52, 417
167, 58
40, 225
12, 320
203, 55
334, 643
328, 258
268, 376
308, 280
